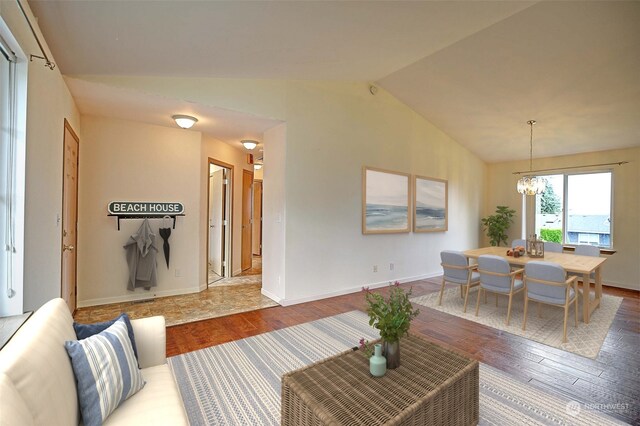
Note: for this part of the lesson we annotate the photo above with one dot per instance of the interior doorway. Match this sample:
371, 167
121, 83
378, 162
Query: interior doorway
220, 213
257, 217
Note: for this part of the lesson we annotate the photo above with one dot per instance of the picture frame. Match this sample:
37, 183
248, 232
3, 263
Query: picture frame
386, 201
430, 204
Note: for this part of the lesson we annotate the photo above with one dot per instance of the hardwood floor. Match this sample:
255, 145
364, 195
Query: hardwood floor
610, 383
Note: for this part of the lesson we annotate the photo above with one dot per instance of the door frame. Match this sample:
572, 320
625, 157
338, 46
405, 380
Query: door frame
67, 126
228, 270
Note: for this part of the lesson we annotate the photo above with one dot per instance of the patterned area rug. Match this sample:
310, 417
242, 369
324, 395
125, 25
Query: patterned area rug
585, 340
238, 383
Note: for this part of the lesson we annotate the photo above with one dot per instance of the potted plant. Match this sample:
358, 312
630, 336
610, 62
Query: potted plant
497, 225
392, 316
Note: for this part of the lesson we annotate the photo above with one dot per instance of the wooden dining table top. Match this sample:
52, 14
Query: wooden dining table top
570, 262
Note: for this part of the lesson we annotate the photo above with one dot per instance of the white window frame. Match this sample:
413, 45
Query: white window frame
565, 199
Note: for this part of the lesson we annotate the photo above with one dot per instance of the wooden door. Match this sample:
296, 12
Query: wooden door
247, 186
257, 218
69, 216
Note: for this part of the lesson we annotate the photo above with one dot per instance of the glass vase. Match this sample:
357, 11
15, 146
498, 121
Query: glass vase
392, 354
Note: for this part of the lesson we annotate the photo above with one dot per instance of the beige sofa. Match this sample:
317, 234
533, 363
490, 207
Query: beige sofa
37, 385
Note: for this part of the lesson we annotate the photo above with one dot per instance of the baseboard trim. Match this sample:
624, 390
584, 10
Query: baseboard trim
136, 296
289, 302
271, 296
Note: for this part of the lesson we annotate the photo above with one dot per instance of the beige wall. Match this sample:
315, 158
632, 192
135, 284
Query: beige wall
131, 161
332, 130
48, 104
622, 269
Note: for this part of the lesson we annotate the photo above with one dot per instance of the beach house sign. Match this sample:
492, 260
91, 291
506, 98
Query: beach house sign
144, 208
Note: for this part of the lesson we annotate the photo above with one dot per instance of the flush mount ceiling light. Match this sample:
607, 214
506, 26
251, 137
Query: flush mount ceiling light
531, 185
249, 144
257, 166
184, 121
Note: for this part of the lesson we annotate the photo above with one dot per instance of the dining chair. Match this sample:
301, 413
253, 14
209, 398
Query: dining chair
550, 246
519, 242
586, 250
546, 282
458, 271
497, 277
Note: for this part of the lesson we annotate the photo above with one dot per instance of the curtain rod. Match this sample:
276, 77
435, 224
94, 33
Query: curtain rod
619, 163
47, 63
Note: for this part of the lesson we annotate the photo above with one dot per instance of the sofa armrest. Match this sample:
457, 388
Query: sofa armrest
151, 341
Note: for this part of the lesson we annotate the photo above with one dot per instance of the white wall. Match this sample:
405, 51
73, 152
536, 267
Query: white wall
333, 129
48, 104
218, 150
621, 269
131, 161
274, 212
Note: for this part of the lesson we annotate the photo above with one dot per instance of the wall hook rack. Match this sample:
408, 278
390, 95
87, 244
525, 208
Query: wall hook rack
138, 216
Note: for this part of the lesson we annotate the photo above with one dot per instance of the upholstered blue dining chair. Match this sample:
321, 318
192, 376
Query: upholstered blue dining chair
550, 246
519, 242
497, 277
458, 271
586, 250
546, 282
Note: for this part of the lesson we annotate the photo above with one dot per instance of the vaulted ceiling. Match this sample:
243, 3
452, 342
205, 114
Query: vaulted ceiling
478, 70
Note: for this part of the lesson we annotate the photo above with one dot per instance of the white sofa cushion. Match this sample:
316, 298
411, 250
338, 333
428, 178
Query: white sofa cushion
37, 364
14, 411
158, 403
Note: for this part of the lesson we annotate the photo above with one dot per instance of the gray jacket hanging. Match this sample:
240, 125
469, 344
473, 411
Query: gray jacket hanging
141, 257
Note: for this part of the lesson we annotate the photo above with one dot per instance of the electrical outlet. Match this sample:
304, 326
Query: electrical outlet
391, 266
375, 268
178, 272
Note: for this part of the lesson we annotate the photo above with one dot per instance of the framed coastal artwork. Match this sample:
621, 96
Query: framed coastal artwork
385, 201
430, 210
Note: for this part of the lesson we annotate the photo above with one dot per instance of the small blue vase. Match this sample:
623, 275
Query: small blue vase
377, 363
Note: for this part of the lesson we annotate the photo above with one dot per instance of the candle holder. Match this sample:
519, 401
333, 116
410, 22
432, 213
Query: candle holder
535, 247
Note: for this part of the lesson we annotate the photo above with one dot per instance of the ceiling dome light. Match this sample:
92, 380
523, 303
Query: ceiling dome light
249, 144
257, 166
184, 121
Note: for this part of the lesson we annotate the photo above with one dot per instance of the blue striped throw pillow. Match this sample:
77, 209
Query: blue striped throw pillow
106, 372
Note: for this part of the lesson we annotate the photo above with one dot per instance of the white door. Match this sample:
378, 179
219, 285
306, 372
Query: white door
215, 220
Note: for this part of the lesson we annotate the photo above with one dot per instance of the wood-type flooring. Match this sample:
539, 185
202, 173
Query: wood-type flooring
610, 383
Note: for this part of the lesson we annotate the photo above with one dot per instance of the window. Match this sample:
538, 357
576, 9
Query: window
576, 209
13, 94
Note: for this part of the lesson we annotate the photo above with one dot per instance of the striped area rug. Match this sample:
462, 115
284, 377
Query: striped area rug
238, 383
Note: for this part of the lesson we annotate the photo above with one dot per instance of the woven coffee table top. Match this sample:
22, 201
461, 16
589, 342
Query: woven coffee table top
340, 389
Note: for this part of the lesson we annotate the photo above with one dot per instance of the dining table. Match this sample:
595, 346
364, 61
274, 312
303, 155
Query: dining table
582, 265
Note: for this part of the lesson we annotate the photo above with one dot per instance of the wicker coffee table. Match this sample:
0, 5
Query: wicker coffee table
432, 386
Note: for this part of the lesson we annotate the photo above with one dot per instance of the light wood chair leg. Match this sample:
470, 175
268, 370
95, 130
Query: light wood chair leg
526, 305
575, 303
461, 295
441, 291
466, 298
480, 291
564, 327
509, 308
